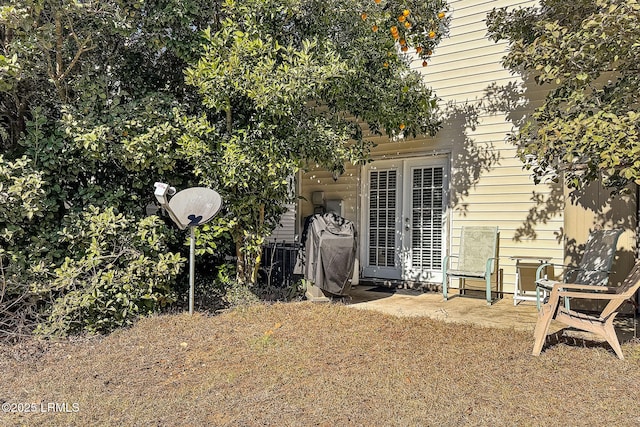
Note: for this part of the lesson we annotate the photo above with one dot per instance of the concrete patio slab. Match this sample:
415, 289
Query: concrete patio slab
502, 314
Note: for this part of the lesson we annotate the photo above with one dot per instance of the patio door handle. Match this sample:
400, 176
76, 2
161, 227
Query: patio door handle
407, 227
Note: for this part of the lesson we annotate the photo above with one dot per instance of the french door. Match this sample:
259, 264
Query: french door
404, 206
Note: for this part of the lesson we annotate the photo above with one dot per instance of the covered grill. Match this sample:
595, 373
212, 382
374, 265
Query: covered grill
328, 252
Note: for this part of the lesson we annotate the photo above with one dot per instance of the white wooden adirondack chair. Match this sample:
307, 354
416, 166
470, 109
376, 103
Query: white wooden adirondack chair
600, 324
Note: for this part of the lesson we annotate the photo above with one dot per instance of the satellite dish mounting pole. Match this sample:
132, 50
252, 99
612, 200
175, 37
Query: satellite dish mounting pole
192, 267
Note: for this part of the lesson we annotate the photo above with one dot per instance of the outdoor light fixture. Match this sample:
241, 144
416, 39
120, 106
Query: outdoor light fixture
189, 208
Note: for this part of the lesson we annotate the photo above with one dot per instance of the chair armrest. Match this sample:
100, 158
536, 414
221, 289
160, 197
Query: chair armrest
490, 265
587, 295
553, 284
568, 287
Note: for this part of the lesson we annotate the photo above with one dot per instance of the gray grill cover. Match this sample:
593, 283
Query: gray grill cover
328, 253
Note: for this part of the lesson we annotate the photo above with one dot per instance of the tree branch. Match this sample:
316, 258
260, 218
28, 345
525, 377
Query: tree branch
82, 49
59, 73
59, 43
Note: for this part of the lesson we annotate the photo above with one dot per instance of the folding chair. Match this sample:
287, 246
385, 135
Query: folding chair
593, 269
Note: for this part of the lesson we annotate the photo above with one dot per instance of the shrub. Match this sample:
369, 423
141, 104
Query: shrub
120, 270
21, 200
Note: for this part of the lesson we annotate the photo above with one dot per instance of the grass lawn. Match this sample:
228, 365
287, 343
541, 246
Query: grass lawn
302, 364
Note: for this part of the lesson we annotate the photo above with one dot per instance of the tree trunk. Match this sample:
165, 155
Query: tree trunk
258, 258
248, 263
240, 259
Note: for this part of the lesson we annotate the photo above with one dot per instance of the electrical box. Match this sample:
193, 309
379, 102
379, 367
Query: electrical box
335, 206
317, 198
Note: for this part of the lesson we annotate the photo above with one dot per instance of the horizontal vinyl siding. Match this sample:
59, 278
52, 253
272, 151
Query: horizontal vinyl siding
460, 72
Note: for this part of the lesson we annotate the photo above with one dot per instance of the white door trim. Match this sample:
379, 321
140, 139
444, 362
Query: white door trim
401, 268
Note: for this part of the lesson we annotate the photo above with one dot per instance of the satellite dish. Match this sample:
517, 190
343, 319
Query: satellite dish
194, 206
189, 208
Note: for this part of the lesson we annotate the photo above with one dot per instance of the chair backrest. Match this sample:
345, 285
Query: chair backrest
477, 245
625, 291
598, 256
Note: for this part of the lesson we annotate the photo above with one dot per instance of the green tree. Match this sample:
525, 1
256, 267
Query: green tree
587, 54
290, 83
89, 95
94, 108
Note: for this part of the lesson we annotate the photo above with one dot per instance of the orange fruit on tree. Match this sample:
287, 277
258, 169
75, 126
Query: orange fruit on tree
432, 34
441, 15
404, 48
374, 28
418, 49
407, 24
363, 16
424, 63
377, 1
429, 52
386, 64
401, 18
403, 42
406, 12
394, 29
402, 126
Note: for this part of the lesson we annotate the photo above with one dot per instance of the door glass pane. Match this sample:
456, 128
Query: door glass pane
426, 221
382, 214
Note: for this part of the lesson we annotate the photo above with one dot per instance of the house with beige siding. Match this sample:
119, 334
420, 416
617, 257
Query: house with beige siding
410, 202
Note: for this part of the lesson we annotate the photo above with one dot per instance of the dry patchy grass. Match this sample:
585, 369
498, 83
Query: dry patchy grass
301, 364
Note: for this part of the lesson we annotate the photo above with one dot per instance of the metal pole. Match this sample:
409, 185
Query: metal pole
192, 268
